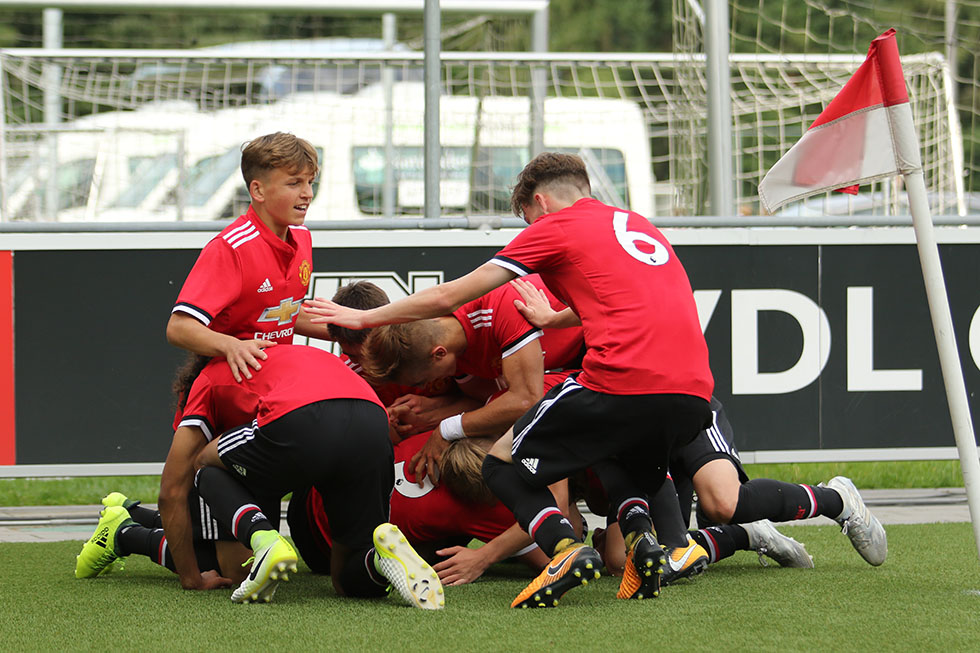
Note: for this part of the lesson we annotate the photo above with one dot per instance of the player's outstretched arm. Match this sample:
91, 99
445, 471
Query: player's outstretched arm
464, 565
243, 356
176, 482
536, 308
435, 301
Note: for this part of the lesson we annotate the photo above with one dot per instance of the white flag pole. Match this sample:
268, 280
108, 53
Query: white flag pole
949, 358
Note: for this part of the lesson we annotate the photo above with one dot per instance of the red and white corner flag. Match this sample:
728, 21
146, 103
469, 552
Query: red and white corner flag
865, 133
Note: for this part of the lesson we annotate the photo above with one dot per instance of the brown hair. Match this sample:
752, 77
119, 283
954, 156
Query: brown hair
460, 470
279, 150
361, 295
545, 169
396, 352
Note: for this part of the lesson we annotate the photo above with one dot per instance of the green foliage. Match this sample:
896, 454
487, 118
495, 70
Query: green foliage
737, 605
621, 26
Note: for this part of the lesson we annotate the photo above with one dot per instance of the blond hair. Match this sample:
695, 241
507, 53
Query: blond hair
397, 352
461, 471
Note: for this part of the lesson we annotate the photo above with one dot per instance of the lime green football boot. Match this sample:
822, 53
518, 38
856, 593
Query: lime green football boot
100, 550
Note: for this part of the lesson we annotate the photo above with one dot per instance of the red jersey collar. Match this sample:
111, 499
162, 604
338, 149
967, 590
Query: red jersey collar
286, 246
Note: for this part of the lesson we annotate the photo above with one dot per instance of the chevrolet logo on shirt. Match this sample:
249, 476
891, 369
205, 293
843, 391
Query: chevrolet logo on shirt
283, 313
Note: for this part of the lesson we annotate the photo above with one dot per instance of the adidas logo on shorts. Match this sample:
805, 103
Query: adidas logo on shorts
531, 464
266, 286
239, 469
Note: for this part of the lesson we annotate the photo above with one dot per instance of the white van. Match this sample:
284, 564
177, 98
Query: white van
194, 172
484, 146
98, 158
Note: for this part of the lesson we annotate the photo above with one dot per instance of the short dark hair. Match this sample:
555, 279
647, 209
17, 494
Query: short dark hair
361, 295
279, 150
547, 168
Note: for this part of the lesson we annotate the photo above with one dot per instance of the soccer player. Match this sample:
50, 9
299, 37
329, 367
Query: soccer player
245, 291
710, 466
645, 383
486, 339
316, 424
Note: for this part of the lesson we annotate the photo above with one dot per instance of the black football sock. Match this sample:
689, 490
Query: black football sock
533, 507
778, 501
146, 517
722, 541
359, 577
667, 519
232, 504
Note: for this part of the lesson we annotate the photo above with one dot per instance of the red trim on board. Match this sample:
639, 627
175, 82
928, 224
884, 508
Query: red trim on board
8, 441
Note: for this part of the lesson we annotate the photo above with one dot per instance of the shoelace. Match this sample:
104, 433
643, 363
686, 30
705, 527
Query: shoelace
763, 551
858, 523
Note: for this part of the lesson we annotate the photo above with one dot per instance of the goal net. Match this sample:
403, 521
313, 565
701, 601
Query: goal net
156, 135
789, 59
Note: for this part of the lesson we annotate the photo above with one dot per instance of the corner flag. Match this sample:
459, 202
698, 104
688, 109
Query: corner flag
865, 133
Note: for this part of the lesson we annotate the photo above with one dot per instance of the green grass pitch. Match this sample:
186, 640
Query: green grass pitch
926, 597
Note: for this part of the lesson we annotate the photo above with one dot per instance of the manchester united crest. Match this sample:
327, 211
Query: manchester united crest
305, 270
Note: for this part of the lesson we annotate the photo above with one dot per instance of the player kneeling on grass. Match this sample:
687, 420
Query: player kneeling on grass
316, 424
438, 520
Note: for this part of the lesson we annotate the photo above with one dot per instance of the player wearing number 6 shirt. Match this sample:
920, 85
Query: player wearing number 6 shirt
645, 384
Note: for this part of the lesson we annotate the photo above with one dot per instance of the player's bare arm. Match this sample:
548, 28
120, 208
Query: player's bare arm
435, 301
243, 356
464, 565
176, 482
524, 373
536, 308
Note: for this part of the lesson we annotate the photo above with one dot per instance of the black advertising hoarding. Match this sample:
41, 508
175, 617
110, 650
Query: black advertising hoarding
820, 339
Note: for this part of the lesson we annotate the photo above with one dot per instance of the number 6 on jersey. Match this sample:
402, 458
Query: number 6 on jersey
628, 239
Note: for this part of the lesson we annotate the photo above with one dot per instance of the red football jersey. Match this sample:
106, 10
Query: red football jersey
291, 377
429, 513
248, 283
495, 329
624, 281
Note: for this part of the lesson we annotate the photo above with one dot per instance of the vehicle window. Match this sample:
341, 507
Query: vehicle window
145, 174
494, 170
